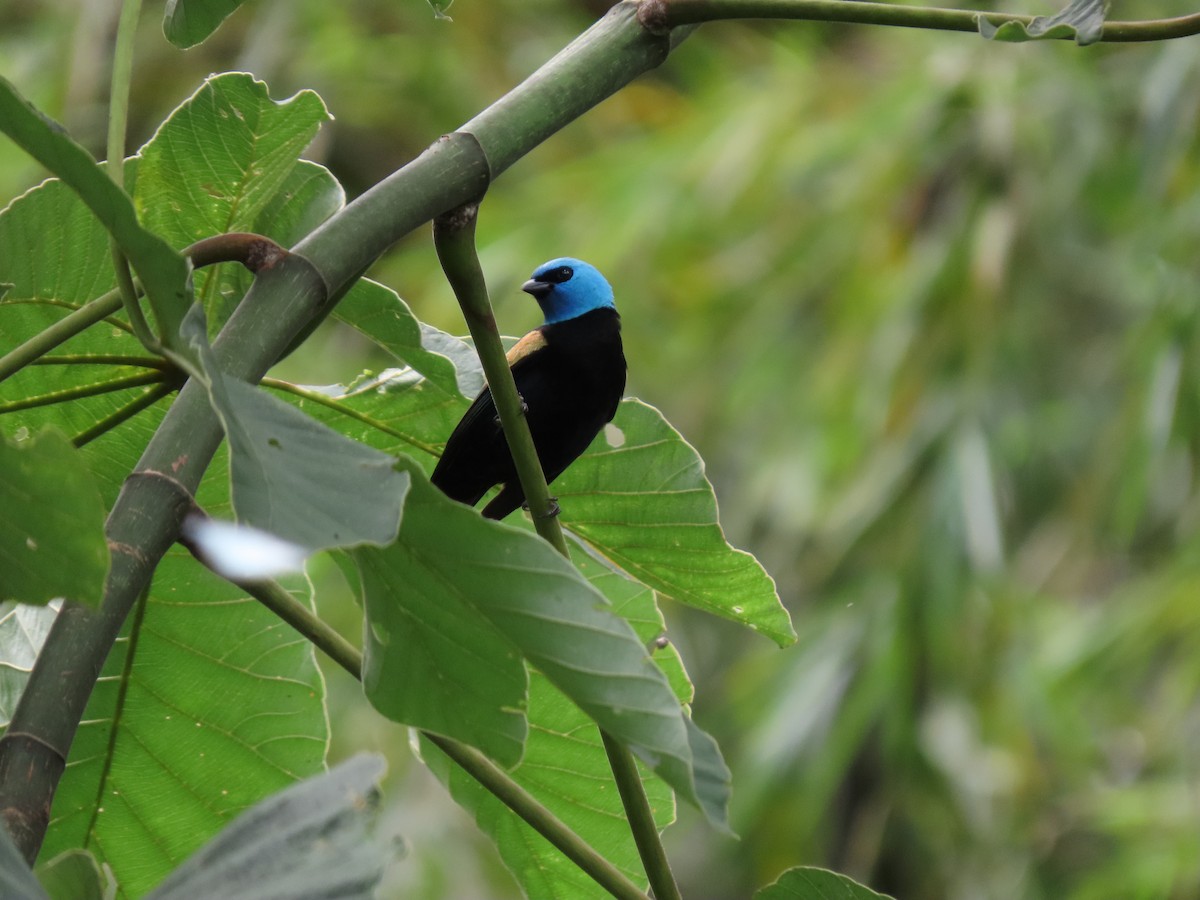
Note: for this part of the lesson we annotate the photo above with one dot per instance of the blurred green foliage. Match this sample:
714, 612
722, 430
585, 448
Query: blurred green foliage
928, 308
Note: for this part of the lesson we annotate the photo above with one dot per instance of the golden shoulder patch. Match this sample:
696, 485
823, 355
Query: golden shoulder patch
532, 342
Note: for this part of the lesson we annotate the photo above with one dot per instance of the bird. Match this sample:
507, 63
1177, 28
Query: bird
570, 374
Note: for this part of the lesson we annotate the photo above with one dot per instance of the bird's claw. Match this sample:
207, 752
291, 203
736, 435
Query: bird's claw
552, 510
524, 409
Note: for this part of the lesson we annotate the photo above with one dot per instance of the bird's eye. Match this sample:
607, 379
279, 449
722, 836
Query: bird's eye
559, 275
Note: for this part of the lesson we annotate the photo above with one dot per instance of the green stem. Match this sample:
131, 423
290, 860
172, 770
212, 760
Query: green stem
62, 330
280, 601
118, 117
454, 239
124, 413
86, 390
277, 599
539, 818
666, 14
641, 819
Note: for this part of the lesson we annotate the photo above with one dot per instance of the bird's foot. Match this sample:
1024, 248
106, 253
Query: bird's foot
524, 410
552, 510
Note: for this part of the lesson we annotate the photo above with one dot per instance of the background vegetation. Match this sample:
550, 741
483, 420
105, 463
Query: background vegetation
926, 305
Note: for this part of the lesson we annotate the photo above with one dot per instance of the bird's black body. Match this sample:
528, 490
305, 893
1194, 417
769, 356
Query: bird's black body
571, 381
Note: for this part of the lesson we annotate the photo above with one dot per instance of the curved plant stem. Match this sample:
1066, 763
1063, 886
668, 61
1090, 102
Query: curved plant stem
277, 599
641, 819
253, 251
454, 239
63, 330
666, 14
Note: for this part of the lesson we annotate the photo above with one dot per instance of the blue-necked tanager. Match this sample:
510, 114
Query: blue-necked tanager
570, 373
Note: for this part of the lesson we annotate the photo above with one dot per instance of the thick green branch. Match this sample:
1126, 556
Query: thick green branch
666, 14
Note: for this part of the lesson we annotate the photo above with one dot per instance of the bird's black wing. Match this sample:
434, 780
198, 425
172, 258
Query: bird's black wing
476, 457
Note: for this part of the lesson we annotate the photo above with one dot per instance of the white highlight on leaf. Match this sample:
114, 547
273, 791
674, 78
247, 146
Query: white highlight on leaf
241, 552
614, 435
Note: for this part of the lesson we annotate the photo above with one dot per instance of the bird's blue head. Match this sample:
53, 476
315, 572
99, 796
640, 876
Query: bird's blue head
566, 287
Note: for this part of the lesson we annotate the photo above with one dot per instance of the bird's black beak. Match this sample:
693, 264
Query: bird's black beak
538, 289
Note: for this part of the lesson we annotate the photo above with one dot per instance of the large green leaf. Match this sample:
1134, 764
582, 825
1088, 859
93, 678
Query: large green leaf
52, 540
188, 22
807, 883
207, 705
503, 578
564, 761
377, 311
226, 156
639, 496
300, 479
51, 279
163, 272
311, 841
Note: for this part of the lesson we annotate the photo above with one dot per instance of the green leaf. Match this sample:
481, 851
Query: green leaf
191, 185
564, 761
208, 705
52, 540
312, 841
1081, 19
75, 875
301, 480
23, 630
16, 878
807, 883
51, 279
423, 664
639, 496
163, 272
188, 22
377, 312
514, 582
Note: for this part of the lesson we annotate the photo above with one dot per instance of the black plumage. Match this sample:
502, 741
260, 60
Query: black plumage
570, 374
